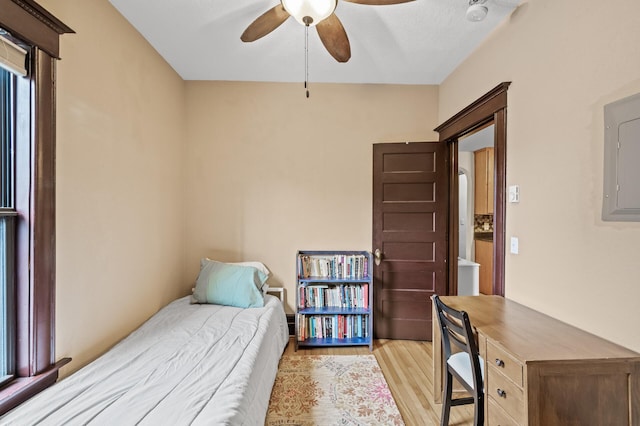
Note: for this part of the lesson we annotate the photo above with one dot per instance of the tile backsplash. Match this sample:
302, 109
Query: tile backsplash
483, 223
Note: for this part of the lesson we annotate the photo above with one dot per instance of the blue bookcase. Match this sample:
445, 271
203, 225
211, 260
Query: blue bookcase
334, 298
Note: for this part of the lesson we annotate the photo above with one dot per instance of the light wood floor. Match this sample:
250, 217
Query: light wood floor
407, 367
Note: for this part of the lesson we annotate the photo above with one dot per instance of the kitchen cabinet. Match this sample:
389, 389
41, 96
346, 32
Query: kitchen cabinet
483, 173
484, 256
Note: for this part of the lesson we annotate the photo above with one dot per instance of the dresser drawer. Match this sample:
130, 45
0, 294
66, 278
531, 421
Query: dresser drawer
504, 362
505, 394
496, 416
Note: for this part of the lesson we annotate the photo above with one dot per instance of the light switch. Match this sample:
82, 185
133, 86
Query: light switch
514, 194
514, 245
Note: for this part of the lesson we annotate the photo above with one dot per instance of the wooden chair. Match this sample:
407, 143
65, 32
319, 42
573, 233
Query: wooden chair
467, 366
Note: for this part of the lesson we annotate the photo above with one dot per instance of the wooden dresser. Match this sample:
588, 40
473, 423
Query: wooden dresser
541, 371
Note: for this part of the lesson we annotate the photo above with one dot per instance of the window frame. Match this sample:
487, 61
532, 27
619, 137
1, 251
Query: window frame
36, 368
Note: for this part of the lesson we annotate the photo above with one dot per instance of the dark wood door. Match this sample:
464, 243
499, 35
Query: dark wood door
410, 226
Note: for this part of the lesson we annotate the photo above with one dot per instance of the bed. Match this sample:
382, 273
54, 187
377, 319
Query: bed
188, 364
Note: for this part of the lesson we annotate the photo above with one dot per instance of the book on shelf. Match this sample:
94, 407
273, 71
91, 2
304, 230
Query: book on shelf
339, 266
341, 295
332, 327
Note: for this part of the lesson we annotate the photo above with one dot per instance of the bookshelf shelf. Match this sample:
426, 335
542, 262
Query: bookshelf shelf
333, 311
334, 298
319, 280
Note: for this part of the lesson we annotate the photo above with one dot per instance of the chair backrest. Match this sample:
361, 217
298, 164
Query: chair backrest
455, 329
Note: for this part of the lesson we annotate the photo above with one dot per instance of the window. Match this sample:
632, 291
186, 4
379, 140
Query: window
27, 200
7, 227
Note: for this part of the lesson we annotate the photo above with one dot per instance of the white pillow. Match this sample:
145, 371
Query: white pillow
259, 266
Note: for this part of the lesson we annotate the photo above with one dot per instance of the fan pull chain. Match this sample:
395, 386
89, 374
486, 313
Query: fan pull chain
306, 59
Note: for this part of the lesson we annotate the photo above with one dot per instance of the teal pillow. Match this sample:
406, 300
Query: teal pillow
232, 285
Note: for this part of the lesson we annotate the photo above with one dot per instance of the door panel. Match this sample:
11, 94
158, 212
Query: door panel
408, 192
416, 163
410, 225
405, 316
408, 251
409, 280
409, 221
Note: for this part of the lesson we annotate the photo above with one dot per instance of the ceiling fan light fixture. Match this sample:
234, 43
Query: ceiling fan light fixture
309, 12
477, 11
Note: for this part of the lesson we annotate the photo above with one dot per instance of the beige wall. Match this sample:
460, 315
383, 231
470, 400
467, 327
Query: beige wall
270, 172
566, 63
119, 183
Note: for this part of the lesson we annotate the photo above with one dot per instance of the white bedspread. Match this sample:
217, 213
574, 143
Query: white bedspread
187, 365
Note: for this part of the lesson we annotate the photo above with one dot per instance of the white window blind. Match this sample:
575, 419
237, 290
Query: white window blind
12, 57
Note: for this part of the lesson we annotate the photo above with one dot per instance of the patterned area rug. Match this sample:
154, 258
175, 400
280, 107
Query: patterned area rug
331, 390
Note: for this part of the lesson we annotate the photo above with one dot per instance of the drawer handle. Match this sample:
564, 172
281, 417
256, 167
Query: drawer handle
501, 393
499, 362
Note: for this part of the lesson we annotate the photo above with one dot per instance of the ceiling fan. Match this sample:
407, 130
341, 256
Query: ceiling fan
318, 13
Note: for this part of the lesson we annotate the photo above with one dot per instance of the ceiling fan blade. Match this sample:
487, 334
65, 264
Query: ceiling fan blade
267, 22
379, 2
334, 38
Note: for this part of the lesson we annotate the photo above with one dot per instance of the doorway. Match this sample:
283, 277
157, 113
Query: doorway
488, 110
475, 210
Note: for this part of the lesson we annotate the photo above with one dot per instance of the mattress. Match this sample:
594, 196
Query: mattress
187, 365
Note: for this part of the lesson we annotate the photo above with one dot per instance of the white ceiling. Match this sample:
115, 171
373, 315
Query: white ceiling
419, 42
